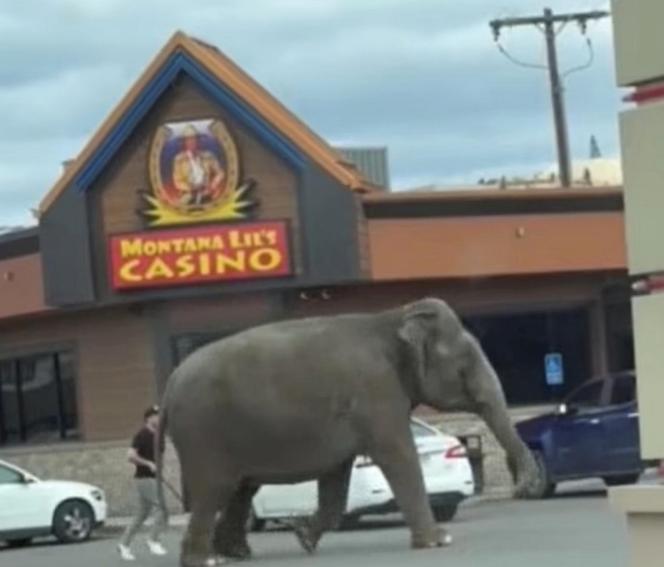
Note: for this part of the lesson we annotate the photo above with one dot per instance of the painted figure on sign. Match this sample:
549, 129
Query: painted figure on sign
194, 172
197, 173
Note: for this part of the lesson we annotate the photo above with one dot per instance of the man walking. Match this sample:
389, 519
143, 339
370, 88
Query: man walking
142, 455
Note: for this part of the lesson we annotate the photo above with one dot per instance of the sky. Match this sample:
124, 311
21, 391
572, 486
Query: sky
422, 77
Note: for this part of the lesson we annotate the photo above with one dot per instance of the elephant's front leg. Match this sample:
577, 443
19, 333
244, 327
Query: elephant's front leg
332, 498
399, 461
520, 460
230, 535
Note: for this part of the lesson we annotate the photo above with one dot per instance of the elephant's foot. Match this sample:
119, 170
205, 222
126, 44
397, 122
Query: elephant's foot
527, 486
234, 550
440, 538
215, 561
306, 535
523, 490
527, 480
230, 541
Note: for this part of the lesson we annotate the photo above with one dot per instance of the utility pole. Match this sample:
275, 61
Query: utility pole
547, 24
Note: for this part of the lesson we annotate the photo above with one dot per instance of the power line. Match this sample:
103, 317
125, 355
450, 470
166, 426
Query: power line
551, 25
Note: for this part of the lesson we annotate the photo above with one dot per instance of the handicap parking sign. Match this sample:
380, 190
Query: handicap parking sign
553, 368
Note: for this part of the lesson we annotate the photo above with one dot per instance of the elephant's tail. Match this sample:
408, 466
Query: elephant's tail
160, 447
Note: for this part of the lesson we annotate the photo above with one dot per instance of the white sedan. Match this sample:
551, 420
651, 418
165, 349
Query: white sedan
447, 474
30, 507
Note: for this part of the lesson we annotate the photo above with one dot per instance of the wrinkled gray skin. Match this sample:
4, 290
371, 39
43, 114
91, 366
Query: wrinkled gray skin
298, 400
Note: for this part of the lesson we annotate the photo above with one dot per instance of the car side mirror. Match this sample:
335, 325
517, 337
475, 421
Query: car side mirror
565, 409
25, 479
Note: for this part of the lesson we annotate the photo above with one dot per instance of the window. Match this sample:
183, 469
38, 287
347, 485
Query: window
517, 344
38, 398
184, 345
624, 390
9, 476
420, 431
588, 395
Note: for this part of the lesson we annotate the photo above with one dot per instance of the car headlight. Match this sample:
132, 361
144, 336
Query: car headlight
97, 495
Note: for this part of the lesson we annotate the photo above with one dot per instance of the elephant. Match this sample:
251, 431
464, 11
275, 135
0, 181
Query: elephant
299, 399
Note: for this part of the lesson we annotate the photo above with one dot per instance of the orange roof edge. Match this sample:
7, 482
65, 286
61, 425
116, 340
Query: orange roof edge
246, 88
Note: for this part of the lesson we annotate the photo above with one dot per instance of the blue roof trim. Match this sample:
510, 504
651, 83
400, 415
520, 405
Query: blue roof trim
180, 62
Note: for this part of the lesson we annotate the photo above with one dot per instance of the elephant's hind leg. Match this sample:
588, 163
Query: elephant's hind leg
332, 498
230, 536
207, 497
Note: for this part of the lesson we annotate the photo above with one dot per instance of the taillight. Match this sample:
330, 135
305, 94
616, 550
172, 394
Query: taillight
456, 452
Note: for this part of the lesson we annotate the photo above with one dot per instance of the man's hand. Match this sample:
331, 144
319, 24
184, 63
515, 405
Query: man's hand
134, 458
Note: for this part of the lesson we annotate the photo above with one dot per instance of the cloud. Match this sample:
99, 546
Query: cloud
420, 76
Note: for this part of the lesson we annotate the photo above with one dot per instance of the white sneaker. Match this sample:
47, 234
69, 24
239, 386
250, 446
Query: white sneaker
125, 553
156, 548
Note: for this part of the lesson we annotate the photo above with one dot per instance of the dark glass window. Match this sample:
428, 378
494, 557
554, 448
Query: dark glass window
9, 476
587, 396
38, 398
184, 345
10, 418
517, 345
624, 390
67, 373
419, 431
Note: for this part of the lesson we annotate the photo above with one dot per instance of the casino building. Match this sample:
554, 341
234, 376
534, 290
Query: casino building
202, 206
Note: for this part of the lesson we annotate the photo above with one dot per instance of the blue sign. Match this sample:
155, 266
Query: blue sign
553, 368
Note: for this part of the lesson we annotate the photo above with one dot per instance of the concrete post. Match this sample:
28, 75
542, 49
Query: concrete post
639, 47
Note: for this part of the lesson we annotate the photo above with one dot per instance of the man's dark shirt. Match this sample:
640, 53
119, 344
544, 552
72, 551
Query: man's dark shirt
143, 442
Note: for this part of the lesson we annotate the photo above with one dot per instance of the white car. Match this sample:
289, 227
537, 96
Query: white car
30, 507
448, 478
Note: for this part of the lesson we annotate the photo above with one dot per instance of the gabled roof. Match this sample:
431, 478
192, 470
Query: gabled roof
229, 84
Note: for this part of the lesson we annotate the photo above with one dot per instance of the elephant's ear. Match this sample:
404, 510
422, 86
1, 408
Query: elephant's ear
418, 325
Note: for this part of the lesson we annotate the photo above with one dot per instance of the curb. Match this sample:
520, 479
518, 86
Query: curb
117, 524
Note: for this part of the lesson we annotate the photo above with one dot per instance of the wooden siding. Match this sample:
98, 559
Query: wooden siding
115, 367
496, 245
218, 314
21, 286
478, 296
116, 197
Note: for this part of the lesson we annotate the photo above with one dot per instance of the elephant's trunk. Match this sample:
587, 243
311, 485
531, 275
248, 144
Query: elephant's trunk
492, 407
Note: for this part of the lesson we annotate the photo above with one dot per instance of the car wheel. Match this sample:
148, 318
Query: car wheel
445, 513
543, 487
21, 542
73, 521
622, 479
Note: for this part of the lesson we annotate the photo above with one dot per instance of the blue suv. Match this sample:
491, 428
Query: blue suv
593, 433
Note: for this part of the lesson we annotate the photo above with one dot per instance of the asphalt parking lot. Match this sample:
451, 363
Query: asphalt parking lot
576, 528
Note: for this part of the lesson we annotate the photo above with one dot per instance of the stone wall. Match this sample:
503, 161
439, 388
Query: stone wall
497, 479
105, 464
102, 464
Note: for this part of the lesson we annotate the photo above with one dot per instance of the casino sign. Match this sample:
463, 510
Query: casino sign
194, 172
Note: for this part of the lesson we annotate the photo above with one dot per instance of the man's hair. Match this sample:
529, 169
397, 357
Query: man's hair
152, 410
